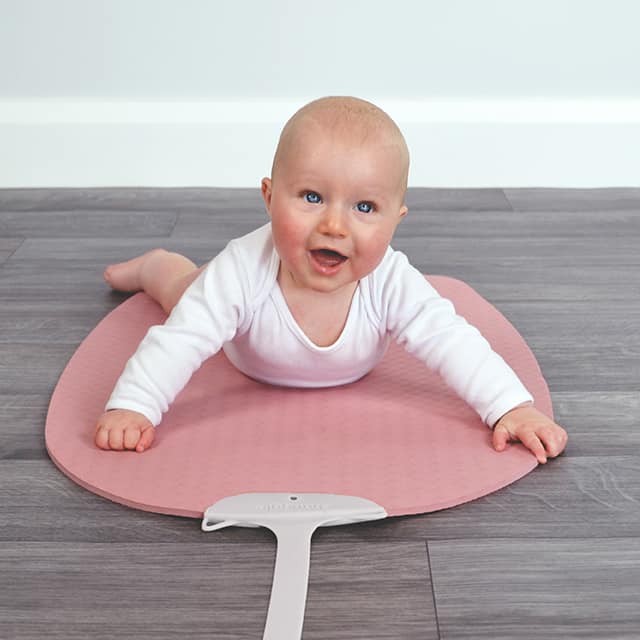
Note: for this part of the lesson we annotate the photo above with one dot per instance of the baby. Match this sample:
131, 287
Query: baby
313, 298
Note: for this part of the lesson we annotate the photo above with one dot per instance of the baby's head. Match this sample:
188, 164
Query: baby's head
350, 120
336, 192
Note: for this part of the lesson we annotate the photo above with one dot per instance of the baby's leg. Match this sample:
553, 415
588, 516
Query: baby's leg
163, 275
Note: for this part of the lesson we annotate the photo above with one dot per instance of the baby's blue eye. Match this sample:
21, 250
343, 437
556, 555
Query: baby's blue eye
312, 197
364, 207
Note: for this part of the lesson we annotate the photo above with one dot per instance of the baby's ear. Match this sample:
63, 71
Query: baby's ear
404, 210
265, 188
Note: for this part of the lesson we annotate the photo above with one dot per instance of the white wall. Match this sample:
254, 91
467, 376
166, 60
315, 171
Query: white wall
194, 92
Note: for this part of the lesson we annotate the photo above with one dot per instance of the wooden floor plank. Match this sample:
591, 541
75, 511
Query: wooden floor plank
602, 424
114, 198
545, 199
458, 199
84, 224
503, 589
99, 252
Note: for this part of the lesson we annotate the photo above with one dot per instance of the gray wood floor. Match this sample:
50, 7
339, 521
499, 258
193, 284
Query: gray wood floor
556, 555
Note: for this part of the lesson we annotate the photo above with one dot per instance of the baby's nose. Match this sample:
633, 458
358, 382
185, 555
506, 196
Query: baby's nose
333, 223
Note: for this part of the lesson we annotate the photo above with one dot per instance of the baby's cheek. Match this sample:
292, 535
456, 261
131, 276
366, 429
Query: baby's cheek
373, 251
286, 236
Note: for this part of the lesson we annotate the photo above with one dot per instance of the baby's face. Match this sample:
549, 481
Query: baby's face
334, 204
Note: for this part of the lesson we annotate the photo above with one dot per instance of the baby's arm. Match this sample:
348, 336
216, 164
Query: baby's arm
121, 429
541, 435
429, 328
208, 315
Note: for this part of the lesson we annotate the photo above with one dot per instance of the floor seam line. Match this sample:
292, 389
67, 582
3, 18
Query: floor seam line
433, 589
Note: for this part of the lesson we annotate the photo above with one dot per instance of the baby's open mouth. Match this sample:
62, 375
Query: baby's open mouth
327, 257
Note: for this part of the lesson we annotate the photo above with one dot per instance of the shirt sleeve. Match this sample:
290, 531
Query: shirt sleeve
427, 325
208, 315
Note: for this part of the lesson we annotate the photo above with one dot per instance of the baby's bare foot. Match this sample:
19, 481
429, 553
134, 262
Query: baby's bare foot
126, 276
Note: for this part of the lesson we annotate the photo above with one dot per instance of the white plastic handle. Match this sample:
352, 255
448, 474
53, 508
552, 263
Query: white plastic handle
290, 581
293, 518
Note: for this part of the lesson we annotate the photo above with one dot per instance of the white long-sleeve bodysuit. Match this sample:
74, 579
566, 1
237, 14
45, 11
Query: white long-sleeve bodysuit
236, 304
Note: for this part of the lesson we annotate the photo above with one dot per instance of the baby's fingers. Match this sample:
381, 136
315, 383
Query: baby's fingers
554, 440
500, 438
530, 440
131, 437
146, 439
116, 439
102, 437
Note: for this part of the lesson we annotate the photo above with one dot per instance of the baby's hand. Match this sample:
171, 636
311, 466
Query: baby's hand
536, 431
121, 429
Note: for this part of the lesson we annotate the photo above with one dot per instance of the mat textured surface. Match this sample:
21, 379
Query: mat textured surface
398, 437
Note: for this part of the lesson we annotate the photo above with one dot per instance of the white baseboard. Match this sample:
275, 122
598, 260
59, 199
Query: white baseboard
453, 143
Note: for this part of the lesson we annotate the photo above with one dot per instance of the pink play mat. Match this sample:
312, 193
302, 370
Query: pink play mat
398, 437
